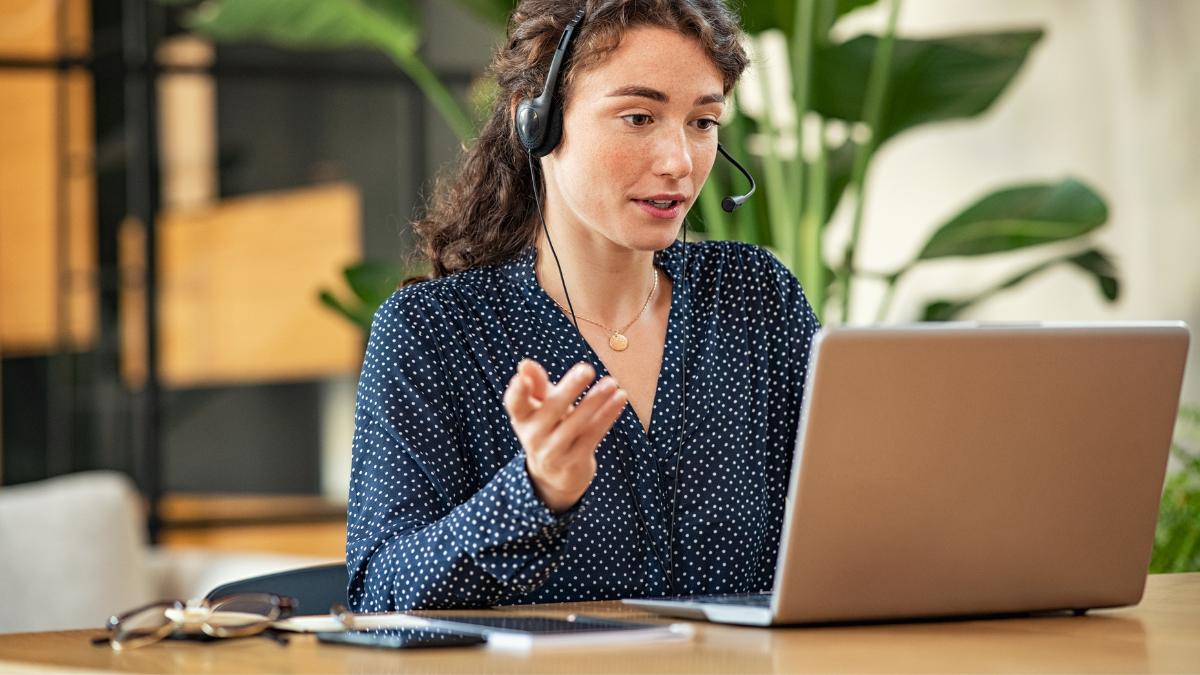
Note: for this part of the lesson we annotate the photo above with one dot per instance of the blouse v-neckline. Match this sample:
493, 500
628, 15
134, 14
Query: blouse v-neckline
663, 431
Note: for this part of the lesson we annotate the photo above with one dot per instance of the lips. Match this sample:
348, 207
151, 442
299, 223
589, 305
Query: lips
662, 197
661, 206
662, 201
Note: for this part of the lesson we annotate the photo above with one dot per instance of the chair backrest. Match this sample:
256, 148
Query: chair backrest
316, 589
72, 552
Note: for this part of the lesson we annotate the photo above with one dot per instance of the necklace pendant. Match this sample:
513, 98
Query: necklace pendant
618, 342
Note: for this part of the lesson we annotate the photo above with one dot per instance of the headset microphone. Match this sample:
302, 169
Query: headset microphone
733, 201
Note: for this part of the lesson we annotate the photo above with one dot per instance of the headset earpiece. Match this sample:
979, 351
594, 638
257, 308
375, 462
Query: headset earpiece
530, 123
554, 132
539, 120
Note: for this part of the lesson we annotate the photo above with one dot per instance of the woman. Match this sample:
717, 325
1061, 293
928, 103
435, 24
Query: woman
480, 476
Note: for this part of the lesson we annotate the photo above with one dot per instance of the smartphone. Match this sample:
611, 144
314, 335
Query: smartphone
401, 638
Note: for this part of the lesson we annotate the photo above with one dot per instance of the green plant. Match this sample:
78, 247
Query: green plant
816, 119
1177, 538
370, 284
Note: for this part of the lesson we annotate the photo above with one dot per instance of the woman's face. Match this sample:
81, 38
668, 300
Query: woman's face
639, 126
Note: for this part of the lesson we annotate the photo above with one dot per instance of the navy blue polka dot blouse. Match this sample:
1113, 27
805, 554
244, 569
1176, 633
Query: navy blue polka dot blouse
442, 512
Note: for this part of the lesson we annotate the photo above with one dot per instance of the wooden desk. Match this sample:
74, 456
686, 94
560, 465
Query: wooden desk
1162, 634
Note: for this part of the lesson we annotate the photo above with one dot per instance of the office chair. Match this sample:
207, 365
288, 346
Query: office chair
315, 589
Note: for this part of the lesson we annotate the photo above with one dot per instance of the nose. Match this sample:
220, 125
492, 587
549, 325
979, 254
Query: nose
673, 155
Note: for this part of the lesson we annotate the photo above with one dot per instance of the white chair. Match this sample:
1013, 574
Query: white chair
73, 552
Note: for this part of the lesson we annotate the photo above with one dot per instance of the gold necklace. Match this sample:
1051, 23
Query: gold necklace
616, 339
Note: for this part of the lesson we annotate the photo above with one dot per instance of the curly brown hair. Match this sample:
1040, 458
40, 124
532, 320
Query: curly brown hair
483, 212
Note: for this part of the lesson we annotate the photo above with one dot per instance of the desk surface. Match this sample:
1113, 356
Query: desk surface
1162, 634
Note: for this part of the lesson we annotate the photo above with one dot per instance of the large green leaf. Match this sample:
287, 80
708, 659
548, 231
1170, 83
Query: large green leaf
391, 25
839, 169
930, 80
358, 314
1093, 261
371, 284
1177, 537
1019, 217
1100, 266
760, 15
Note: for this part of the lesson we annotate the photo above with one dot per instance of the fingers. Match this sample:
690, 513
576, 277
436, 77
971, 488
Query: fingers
555, 400
600, 422
539, 380
547, 414
517, 398
527, 389
591, 419
561, 396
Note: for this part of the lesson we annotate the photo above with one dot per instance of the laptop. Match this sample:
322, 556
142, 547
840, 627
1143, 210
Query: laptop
970, 469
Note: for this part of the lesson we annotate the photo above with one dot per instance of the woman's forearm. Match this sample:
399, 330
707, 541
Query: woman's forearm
498, 545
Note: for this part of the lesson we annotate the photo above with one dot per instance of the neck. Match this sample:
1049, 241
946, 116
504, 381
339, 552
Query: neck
608, 283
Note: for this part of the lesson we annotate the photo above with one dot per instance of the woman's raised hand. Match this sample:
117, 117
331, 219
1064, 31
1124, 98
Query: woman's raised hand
559, 437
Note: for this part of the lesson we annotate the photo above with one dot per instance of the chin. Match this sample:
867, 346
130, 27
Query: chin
647, 237
655, 241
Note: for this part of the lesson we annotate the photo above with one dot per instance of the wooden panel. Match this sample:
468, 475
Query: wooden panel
238, 289
316, 539
30, 28
82, 286
30, 172
261, 523
27, 213
199, 508
187, 125
29, 175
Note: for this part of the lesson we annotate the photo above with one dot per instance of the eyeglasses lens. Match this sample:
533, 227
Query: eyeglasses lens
141, 626
242, 614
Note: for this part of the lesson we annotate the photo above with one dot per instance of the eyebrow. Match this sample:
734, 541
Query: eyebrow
656, 95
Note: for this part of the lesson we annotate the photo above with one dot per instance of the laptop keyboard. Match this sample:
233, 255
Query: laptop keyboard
741, 599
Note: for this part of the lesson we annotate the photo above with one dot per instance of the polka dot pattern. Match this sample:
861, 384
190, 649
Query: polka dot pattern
442, 513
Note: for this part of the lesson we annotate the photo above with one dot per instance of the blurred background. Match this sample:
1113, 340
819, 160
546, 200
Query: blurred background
201, 204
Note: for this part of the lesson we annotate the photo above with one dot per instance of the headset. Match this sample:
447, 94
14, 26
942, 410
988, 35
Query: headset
539, 123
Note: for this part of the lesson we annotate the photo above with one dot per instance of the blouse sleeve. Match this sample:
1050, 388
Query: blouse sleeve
794, 326
800, 322
425, 529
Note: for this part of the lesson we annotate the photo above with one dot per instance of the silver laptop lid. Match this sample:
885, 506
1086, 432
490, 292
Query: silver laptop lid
948, 469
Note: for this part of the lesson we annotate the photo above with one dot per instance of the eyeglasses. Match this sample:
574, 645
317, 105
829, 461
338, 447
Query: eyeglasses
238, 615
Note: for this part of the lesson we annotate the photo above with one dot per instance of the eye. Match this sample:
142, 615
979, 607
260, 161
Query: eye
637, 119
706, 124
